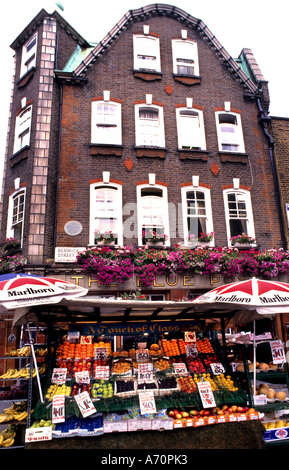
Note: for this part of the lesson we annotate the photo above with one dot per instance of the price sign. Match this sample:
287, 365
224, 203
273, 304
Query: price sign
277, 351
190, 336
142, 355
217, 368
58, 409
147, 403
85, 404
145, 373
82, 377
101, 372
191, 350
206, 394
180, 368
100, 353
59, 375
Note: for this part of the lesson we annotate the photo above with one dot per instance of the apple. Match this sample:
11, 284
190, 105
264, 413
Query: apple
240, 409
171, 413
215, 410
184, 414
178, 416
220, 412
194, 412
245, 408
234, 408
207, 413
225, 407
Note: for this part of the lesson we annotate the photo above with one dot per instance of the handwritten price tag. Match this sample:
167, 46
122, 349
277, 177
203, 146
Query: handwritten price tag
82, 377
190, 336
58, 409
85, 404
217, 368
277, 351
59, 376
100, 353
147, 403
191, 350
101, 372
180, 368
206, 394
145, 373
142, 355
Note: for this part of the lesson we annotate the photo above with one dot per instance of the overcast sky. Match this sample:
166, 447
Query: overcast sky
261, 26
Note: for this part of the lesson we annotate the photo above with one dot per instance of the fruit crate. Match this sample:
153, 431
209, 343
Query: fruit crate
173, 385
150, 386
128, 387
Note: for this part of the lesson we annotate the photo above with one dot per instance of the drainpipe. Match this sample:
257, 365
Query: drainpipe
263, 118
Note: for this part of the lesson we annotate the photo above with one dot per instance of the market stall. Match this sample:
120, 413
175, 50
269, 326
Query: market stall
122, 366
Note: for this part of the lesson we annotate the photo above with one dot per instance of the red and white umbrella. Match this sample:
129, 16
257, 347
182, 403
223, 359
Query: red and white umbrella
26, 290
264, 296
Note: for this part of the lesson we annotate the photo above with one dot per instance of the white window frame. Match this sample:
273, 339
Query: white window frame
146, 53
246, 196
234, 130
191, 129
106, 122
22, 129
20, 216
185, 56
208, 216
28, 57
106, 213
143, 137
163, 224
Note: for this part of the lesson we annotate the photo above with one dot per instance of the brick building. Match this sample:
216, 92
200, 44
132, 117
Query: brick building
156, 127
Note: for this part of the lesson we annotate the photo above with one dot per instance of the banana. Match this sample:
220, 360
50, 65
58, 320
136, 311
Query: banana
21, 416
7, 374
8, 442
1, 439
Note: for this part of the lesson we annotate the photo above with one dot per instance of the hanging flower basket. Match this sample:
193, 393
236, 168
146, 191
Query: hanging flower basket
202, 241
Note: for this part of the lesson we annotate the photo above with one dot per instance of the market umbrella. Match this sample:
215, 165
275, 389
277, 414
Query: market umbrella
19, 292
250, 300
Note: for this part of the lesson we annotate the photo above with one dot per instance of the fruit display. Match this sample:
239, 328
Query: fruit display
167, 383
171, 348
56, 389
42, 423
162, 364
276, 424
204, 346
7, 436
270, 393
187, 384
82, 365
16, 412
22, 373
102, 389
225, 383
103, 344
124, 387
195, 364
121, 367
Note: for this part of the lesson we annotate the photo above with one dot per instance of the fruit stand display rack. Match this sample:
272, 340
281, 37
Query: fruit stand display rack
17, 399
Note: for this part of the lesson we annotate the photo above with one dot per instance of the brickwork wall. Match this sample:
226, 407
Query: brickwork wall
114, 72
280, 133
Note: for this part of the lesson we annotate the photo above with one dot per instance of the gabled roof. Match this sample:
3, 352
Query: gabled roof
37, 20
250, 82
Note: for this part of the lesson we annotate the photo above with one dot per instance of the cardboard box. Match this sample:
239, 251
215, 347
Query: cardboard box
179, 423
275, 435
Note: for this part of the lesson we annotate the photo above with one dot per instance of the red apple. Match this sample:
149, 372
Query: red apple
178, 416
240, 409
171, 413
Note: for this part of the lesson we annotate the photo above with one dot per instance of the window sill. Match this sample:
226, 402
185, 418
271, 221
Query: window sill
106, 150
193, 154
150, 152
187, 79
234, 157
147, 75
18, 156
25, 78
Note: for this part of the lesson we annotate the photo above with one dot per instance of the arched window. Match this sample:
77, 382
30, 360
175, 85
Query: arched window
15, 218
152, 210
230, 133
149, 125
185, 57
146, 53
191, 130
197, 211
238, 211
106, 211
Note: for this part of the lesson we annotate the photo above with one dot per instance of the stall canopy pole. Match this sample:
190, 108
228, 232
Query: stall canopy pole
31, 341
254, 359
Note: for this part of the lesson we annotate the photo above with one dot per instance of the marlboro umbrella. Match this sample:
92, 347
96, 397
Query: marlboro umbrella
265, 297
26, 290
248, 301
